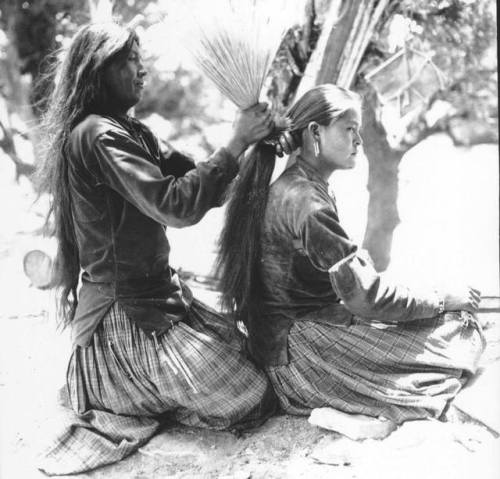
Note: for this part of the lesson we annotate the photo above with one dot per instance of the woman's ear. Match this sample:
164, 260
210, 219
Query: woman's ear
313, 129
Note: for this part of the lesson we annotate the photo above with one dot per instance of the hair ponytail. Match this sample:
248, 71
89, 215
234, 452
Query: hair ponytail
240, 241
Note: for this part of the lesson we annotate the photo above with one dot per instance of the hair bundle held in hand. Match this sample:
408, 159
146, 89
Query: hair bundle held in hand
234, 45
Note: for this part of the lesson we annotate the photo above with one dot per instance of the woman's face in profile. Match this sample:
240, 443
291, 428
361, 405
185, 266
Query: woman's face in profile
124, 79
340, 141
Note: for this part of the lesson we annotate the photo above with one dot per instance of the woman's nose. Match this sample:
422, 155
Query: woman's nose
358, 140
141, 71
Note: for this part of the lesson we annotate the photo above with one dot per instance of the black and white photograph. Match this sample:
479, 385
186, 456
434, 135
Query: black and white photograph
249, 239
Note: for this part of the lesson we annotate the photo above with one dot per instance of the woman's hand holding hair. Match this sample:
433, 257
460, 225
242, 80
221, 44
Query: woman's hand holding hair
286, 144
462, 298
251, 125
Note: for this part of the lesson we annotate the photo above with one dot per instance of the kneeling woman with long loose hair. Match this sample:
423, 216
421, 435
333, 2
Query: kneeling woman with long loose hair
144, 348
329, 330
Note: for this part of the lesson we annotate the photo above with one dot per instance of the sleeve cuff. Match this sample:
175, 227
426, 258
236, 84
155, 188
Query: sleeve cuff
371, 295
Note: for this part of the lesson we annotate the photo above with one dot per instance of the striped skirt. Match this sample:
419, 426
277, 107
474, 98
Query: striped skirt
408, 371
122, 383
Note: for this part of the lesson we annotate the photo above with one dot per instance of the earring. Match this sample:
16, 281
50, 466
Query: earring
316, 148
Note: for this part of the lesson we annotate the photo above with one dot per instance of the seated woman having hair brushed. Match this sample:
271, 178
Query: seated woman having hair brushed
328, 329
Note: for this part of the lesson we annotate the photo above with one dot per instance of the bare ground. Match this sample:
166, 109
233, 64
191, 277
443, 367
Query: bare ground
33, 357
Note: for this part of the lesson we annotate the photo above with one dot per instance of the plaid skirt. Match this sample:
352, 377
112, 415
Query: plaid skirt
124, 380
408, 371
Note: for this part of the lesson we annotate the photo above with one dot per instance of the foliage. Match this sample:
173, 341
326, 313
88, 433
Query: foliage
173, 95
40, 28
460, 37
458, 33
37, 28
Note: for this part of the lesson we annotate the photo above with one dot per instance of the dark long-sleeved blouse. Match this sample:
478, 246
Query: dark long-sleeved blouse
312, 271
124, 193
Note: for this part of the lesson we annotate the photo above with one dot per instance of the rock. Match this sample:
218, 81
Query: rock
38, 261
480, 399
37, 266
354, 426
339, 451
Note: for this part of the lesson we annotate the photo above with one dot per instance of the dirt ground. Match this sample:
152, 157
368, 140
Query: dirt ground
33, 356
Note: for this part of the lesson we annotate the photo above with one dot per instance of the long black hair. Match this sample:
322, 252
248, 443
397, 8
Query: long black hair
78, 91
240, 242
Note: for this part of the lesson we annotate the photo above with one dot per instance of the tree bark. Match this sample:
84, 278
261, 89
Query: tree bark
383, 167
9, 148
322, 49
292, 59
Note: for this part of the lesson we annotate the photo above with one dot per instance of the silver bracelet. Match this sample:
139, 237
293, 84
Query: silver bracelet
441, 306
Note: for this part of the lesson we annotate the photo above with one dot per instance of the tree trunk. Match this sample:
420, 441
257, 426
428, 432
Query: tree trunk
8, 146
383, 165
323, 49
345, 34
292, 59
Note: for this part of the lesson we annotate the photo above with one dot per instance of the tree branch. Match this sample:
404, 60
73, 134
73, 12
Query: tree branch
8, 146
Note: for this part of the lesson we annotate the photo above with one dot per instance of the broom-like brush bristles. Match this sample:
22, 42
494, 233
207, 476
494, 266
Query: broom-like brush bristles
236, 49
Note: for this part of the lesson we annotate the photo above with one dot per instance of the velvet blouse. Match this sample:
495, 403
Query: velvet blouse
125, 192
